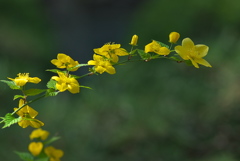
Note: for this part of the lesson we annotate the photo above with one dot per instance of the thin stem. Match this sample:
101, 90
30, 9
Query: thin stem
29, 102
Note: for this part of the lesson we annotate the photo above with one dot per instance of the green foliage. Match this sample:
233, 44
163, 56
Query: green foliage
51, 140
77, 66
162, 44
18, 96
143, 55
86, 87
53, 70
33, 92
51, 84
51, 92
11, 84
25, 156
9, 120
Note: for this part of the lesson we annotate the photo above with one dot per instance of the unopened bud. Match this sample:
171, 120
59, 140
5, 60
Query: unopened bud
173, 37
134, 40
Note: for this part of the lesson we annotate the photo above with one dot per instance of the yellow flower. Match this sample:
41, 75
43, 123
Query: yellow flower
134, 40
101, 65
155, 47
35, 148
53, 154
111, 51
39, 133
173, 37
23, 78
28, 115
195, 53
64, 61
66, 83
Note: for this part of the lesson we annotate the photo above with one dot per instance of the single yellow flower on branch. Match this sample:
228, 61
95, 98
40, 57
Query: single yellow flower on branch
66, 83
155, 47
35, 148
28, 115
64, 61
111, 51
53, 154
173, 37
134, 40
39, 133
102, 64
195, 53
23, 78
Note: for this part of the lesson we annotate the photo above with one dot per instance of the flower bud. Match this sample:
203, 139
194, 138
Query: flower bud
134, 40
173, 37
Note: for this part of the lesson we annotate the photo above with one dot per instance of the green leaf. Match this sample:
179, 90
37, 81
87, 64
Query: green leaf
143, 55
51, 84
9, 119
25, 156
132, 53
51, 92
11, 84
86, 87
18, 96
77, 66
33, 92
188, 62
53, 70
49, 141
162, 44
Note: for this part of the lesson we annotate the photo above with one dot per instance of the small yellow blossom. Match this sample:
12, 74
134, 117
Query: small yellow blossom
53, 154
111, 51
66, 83
28, 115
101, 65
155, 47
39, 133
64, 61
23, 78
134, 40
35, 148
173, 37
195, 53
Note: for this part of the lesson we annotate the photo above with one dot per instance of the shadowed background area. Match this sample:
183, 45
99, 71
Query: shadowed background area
158, 110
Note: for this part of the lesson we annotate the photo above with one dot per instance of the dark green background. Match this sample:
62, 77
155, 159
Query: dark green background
148, 111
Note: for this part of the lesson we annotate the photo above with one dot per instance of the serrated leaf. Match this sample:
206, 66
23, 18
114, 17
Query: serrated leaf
54, 138
11, 84
143, 55
53, 70
51, 84
132, 53
86, 87
25, 156
33, 92
18, 96
51, 92
162, 44
9, 120
77, 66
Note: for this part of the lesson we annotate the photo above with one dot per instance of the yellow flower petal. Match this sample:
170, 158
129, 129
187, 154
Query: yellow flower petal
35, 148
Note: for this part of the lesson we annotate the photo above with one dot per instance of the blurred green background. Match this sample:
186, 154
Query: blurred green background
148, 111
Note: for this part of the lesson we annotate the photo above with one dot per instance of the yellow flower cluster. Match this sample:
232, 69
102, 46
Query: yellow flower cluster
40, 147
64, 80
